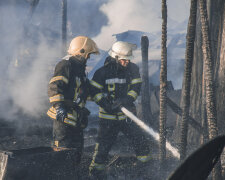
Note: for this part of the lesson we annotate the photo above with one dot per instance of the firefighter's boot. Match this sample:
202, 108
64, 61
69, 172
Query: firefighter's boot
142, 166
97, 172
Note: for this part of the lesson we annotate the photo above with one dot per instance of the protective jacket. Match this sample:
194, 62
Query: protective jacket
111, 82
68, 86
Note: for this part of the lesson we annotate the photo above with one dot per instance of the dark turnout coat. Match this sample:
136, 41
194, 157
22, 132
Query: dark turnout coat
112, 82
68, 86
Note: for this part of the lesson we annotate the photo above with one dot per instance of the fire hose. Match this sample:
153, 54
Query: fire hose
150, 131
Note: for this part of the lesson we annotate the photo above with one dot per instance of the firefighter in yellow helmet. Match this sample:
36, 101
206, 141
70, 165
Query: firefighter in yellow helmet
116, 84
68, 91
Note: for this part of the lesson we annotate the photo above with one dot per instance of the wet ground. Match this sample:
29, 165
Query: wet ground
121, 165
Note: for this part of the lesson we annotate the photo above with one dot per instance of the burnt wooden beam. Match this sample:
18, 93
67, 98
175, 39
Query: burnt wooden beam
145, 93
178, 111
64, 25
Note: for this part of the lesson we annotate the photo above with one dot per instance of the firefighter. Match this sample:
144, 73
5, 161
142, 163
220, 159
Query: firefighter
68, 91
116, 84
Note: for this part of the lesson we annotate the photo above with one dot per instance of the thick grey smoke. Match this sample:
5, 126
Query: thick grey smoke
25, 56
31, 46
140, 15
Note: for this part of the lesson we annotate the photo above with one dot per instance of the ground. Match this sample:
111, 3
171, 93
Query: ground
122, 163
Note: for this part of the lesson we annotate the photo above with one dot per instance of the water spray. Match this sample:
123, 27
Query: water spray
150, 131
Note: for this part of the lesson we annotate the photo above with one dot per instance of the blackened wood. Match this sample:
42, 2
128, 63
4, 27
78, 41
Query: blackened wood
64, 25
145, 95
189, 54
178, 110
163, 85
209, 83
38, 163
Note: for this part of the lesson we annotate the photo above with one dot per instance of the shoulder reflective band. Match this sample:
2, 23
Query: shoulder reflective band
133, 94
58, 97
98, 97
95, 84
59, 78
115, 80
135, 81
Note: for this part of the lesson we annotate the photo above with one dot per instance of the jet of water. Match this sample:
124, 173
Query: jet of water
150, 131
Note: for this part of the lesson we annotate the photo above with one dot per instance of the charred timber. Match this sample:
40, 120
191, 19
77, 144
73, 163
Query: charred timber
189, 54
163, 86
145, 98
178, 111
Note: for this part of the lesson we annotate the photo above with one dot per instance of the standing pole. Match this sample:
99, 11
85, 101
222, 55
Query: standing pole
64, 25
205, 135
163, 85
209, 84
33, 5
145, 97
189, 54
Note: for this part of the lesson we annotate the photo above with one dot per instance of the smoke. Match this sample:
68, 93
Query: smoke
140, 15
24, 60
31, 47
128, 15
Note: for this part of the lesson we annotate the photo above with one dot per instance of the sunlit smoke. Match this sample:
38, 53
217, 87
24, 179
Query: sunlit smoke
140, 15
128, 15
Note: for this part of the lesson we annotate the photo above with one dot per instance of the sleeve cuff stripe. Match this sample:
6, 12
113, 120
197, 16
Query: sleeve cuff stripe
135, 81
133, 94
95, 84
58, 97
59, 78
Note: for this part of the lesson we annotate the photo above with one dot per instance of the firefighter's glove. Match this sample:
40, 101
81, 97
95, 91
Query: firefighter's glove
118, 103
106, 105
84, 113
116, 106
61, 112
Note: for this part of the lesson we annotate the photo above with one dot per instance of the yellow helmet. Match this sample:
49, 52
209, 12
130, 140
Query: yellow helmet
83, 46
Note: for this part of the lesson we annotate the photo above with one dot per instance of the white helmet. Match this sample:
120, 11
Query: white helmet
122, 50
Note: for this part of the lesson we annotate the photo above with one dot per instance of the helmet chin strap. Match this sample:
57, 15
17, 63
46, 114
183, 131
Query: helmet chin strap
81, 59
120, 66
117, 59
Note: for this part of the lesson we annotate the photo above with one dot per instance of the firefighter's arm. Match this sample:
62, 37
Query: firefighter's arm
97, 86
135, 84
58, 83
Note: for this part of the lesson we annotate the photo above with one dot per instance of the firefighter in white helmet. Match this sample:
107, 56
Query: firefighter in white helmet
116, 84
68, 91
